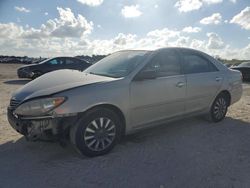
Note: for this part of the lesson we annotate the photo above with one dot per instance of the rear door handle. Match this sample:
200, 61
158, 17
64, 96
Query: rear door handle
218, 79
180, 84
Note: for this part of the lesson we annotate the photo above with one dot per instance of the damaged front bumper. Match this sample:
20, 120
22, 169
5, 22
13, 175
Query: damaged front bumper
41, 128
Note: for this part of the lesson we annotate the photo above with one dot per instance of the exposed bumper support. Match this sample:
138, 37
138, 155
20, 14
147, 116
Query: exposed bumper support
43, 128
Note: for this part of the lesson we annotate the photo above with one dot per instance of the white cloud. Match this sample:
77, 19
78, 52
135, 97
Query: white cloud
245, 53
156, 6
214, 41
10, 30
42, 41
191, 5
163, 33
242, 19
22, 9
180, 42
198, 44
190, 29
123, 39
212, 1
188, 5
91, 3
46, 13
67, 25
131, 11
213, 19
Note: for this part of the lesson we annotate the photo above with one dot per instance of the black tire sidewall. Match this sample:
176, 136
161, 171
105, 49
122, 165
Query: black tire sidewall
77, 132
36, 74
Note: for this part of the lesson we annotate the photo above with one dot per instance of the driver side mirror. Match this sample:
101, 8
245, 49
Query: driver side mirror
146, 75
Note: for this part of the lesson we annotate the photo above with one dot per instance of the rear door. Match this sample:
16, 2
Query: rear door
76, 64
71, 63
160, 97
203, 80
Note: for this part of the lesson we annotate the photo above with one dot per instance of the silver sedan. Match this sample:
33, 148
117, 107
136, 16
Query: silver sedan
122, 93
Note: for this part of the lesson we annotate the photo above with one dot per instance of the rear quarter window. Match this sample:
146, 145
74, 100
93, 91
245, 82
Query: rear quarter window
196, 63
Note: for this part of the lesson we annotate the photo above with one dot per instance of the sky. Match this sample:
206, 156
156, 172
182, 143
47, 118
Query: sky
50, 28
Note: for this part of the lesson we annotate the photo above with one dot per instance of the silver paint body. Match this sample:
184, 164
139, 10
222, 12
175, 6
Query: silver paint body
143, 103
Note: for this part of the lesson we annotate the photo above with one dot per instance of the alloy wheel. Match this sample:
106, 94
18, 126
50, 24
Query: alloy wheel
99, 134
220, 108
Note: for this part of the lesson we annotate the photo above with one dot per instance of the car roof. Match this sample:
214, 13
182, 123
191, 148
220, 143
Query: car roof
180, 48
166, 48
62, 58
244, 64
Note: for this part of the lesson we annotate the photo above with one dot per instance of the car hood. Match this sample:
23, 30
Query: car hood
28, 66
55, 82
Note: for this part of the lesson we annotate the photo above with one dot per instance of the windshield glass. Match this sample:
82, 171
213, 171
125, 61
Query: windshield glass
245, 64
44, 61
117, 65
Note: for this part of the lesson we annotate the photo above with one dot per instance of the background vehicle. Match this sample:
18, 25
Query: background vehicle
244, 68
122, 93
35, 70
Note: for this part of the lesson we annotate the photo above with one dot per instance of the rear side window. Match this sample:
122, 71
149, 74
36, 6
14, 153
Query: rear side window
81, 61
195, 63
69, 61
165, 63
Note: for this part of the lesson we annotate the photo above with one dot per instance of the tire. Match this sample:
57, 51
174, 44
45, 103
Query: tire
36, 74
219, 108
96, 133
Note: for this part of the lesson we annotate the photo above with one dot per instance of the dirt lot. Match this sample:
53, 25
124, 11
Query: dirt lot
188, 153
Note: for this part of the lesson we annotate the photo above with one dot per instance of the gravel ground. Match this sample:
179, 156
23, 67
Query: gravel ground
187, 153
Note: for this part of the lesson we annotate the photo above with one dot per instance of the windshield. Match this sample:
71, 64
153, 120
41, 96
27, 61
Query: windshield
117, 65
44, 61
245, 64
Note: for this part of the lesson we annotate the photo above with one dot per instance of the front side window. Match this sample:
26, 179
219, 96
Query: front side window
165, 63
55, 62
117, 65
195, 63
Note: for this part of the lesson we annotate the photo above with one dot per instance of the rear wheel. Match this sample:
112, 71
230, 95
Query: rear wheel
219, 107
96, 133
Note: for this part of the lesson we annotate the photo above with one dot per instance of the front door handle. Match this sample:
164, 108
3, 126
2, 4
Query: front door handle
180, 84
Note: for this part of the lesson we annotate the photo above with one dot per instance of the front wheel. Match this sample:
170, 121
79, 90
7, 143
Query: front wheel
219, 107
36, 74
96, 133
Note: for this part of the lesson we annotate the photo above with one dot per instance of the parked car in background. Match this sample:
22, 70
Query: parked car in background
35, 70
244, 68
228, 65
123, 93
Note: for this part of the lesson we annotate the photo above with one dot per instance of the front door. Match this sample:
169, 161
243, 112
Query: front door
160, 97
54, 64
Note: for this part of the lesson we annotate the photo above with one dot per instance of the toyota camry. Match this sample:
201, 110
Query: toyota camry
125, 92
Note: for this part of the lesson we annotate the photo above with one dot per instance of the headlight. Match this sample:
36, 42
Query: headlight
39, 107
